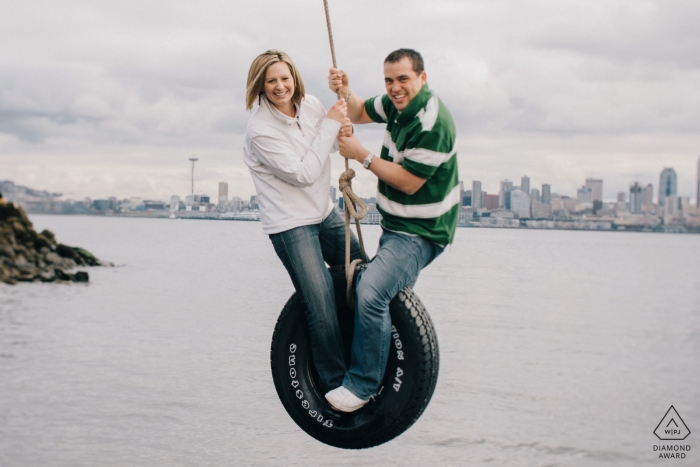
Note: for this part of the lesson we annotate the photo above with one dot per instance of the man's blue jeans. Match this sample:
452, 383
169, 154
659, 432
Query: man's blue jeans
303, 251
398, 262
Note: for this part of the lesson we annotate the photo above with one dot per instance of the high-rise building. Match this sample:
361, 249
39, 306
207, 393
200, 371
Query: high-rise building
519, 203
546, 193
596, 187
535, 194
477, 201
491, 202
506, 186
333, 193
668, 184
697, 198
635, 204
223, 191
648, 196
584, 195
174, 203
525, 184
466, 198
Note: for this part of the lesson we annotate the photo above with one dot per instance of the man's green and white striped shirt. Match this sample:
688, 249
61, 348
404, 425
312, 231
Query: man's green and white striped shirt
422, 139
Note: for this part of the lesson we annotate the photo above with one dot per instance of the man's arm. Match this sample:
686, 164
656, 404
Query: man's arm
392, 174
338, 79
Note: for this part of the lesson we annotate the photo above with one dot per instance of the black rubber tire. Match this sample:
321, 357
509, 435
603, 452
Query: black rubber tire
408, 385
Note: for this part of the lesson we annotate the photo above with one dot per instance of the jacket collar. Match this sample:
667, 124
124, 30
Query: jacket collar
276, 114
416, 104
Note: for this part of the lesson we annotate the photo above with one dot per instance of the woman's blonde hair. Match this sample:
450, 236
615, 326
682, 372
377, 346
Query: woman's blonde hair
255, 87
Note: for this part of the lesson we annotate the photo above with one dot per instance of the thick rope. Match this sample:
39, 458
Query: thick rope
350, 199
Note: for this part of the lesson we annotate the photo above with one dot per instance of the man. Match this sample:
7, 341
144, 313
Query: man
418, 197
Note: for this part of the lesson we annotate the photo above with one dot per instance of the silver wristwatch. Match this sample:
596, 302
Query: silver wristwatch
367, 161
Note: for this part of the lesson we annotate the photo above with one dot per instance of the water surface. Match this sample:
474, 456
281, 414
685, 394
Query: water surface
557, 348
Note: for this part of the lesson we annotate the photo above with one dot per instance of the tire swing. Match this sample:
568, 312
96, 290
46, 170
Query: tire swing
412, 368
408, 385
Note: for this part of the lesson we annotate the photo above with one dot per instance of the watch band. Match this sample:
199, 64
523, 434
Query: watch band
367, 161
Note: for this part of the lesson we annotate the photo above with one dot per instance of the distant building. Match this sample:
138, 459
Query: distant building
466, 198
491, 202
174, 203
535, 194
506, 186
584, 195
105, 204
223, 191
648, 196
546, 193
253, 202
674, 206
334, 192
235, 205
635, 204
520, 203
539, 210
477, 201
697, 198
525, 184
668, 184
596, 187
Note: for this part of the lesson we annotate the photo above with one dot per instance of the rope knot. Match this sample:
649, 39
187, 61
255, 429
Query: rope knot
345, 180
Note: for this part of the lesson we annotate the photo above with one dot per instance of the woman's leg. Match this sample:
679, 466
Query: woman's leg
332, 236
300, 252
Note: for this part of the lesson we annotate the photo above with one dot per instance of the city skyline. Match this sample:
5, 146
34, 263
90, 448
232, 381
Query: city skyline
107, 102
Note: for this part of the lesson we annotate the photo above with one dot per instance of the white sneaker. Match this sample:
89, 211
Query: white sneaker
343, 400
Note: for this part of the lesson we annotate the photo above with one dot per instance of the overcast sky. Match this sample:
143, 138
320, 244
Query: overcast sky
111, 98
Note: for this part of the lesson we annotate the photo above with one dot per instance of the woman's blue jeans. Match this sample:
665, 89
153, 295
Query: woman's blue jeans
398, 262
305, 251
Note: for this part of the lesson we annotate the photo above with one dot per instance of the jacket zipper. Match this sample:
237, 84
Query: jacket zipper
300, 128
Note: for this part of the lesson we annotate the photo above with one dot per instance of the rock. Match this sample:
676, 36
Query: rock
62, 275
89, 258
41, 242
47, 276
6, 250
47, 234
52, 258
65, 251
26, 255
81, 276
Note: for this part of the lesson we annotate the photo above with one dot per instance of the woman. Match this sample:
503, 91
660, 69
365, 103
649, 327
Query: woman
288, 143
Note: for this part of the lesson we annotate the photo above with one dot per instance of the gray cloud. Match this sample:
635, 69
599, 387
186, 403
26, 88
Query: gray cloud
110, 99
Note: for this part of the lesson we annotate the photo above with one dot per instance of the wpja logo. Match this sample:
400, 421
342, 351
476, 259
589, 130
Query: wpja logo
672, 428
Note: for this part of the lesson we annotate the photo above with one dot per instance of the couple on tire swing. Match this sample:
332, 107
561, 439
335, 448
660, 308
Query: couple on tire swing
289, 139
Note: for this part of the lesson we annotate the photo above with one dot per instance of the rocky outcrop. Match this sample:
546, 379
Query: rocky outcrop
28, 256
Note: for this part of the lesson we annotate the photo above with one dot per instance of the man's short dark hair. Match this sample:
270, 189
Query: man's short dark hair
412, 55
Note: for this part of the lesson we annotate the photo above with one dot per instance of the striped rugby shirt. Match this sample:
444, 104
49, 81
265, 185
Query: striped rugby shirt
421, 139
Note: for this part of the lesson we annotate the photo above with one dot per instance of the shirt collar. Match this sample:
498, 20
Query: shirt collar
416, 104
272, 110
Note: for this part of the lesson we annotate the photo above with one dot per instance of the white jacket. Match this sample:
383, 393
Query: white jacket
289, 161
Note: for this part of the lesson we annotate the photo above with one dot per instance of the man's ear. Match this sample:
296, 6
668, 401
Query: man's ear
423, 77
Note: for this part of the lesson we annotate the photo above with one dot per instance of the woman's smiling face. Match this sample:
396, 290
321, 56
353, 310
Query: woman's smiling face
279, 85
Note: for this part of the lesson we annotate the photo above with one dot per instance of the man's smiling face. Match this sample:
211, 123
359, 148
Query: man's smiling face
402, 83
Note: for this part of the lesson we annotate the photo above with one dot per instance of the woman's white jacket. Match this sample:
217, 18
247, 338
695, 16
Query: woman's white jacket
289, 161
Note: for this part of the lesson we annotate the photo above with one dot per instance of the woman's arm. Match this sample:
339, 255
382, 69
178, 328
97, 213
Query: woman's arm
277, 154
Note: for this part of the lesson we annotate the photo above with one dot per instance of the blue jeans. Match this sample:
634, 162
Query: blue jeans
397, 264
303, 251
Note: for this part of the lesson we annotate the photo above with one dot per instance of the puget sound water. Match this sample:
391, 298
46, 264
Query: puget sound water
557, 348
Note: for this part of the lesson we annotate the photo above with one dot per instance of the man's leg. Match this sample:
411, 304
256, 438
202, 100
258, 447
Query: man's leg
300, 252
398, 262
